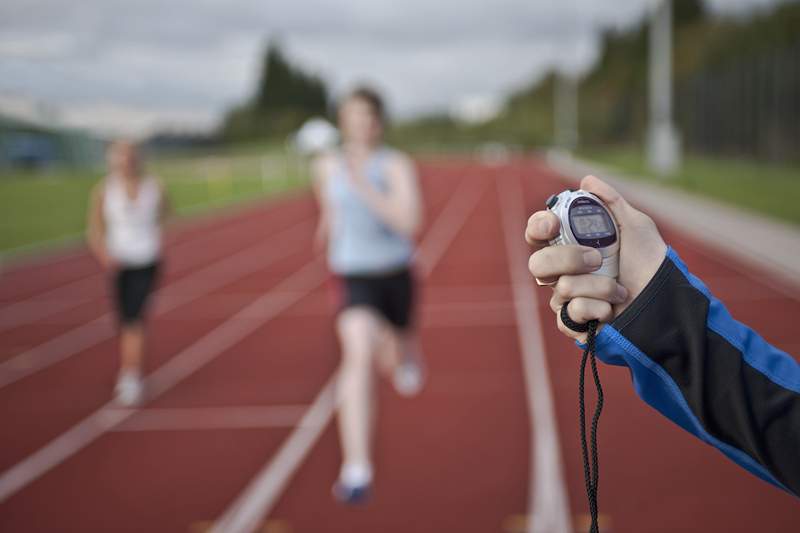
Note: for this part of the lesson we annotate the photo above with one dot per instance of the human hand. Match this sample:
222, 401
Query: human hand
108, 262
570, 267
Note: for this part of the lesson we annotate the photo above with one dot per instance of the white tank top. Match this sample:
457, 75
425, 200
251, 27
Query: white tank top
133, 234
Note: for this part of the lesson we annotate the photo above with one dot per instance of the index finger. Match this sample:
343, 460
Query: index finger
542, 226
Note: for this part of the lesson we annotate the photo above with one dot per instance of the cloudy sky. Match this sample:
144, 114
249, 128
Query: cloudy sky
134, 65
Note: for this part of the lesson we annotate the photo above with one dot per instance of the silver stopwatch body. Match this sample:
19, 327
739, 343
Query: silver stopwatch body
585, 220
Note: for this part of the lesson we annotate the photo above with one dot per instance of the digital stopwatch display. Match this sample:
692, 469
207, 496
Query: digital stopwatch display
591, 224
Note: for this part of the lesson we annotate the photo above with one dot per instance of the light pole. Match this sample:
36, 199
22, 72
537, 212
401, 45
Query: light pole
663, 143
566, 111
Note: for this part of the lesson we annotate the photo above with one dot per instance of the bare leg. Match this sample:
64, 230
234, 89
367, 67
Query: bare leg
408, 344
131, 348
129, 389
409, 374
390, 351
358, 330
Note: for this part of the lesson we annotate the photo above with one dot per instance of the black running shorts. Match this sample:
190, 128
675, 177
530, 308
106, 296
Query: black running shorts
132, 287
391, 295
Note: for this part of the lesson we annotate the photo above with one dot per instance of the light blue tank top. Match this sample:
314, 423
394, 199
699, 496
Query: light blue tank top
360, 242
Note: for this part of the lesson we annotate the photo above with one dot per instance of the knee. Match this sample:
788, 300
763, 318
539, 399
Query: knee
356, 359
358, 334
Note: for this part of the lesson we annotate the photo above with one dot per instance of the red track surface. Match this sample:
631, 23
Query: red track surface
453, 459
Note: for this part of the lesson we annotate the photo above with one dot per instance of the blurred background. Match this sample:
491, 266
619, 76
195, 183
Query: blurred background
215, 89
690, 106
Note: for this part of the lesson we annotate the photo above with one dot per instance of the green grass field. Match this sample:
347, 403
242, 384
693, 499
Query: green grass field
43, 209
773, 190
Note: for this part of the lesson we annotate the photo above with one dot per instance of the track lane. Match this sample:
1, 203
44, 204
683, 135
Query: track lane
261, 494
174, 292
65, 273
690, 487
454, 458
256, 283
182, 256
48, 403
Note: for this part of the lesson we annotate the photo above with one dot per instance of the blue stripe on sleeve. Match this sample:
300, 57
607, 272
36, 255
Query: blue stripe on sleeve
778, 366
657, 388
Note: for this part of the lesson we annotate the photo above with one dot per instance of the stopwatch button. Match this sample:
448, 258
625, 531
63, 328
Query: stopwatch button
553, 200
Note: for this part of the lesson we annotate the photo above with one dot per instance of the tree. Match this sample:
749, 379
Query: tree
285, 97
687, 11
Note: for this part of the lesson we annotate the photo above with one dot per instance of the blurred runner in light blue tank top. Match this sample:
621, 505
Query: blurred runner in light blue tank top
360, 242
370, 212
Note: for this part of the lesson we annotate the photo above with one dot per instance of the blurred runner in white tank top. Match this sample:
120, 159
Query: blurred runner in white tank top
124, 232
133, 236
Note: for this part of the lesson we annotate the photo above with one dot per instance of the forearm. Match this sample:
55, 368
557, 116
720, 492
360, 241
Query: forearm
400, 216
96, 228
97, 246
710, 374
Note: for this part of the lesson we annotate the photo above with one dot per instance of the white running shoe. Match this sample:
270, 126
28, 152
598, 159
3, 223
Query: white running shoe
354, 485
356, 495
129, 390
409, 376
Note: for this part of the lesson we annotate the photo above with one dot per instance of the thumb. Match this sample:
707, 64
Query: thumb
619, 207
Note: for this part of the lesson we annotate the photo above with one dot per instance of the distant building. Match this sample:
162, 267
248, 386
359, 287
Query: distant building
29, 146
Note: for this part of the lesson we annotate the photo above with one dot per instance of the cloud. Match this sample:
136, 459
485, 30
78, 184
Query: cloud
199, 57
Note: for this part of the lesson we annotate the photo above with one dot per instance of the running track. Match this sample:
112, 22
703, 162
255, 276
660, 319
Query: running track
238, 434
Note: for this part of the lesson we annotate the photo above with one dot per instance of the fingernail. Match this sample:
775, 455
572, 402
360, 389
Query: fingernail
592, 258
622, 293
543, 225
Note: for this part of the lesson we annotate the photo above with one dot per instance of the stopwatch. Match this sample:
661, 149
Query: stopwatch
585, 220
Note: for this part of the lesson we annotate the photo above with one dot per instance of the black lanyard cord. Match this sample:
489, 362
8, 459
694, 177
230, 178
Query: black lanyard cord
591, 475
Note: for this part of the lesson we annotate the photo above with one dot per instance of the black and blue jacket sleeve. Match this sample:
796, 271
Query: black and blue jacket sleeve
708, 373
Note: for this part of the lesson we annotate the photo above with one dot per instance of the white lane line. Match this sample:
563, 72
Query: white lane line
263, 491
548, 505
69, 295
180, 292
199, 353
30, 311
256, 501
205, 418
441, 234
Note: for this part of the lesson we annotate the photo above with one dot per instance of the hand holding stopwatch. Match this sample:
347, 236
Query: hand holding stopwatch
586, 221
